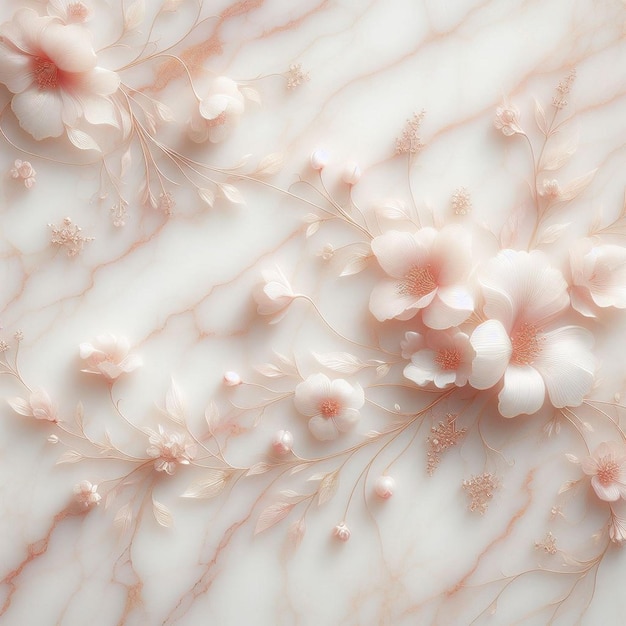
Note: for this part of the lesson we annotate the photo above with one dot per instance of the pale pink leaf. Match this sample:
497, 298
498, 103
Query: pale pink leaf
20, 406
355, 264
162, 514
134, 14
231, 193
393, 210
382, 370
310, 218
298, 468
552, 233
558, 156
174, 403
312, 229
270, 164
272, 515
269, 370
575, 187
290, 494
251, 94
82, 140
212, 416
328, 487
339, 362
566, 486
296, 532
164, 112
123, 518
258, 468
79, 416
70, 456
571, 458
207, 196
210, 485
540, 118
125, 162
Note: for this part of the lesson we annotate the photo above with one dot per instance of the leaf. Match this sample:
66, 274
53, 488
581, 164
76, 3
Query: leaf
557, 157
566, 486
269, 370
251, 94
175, 404
170, 5
355, 264
340, 362
312, 229
231, 193
393, 210
575, 187
382, 370
352, 259
296, 532
164, 112
328, 487
20, 406
272, 515
290, 494
270, 164
258, 468
82, 140
79, 416
540, 118
134, 14
212, 416
210, 485
552, 233
207, 196
123, 517
125, 162
162, 514
70, 456
571, 458
285, 360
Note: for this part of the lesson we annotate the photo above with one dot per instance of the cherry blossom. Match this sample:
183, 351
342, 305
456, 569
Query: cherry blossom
23, 170
598, 276
51, 67
429, 271
333, 406
274, 295
607, 468
86, 494
169, 449
109, 356
522, 341
507, 120
445, 359
39, 405
218, 112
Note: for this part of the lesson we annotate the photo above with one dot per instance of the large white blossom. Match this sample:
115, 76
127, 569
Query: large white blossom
108, 356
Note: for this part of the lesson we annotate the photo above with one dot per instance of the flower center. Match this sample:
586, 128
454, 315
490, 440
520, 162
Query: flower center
418, 282
46, 73
608, 472
448, 359
78, 11
218, 121
330, 408
526, 344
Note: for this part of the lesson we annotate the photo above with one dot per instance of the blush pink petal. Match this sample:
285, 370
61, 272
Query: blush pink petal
346, 420
567, 365
422, 368
68, 46
322, 428
411, 343
15, 69
451, 252
440, 314
310, 393
582, 301
523, 391
493, 349
39, 113
589, 465
349, 396
608, 493
397, 252
25, 30
386, 302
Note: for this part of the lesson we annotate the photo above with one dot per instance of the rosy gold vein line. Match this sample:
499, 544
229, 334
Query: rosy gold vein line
291, 24
507, 531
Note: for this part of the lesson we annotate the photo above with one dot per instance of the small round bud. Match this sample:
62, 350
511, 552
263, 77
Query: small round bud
351, 173
342, 532
384, 487
319, 159
231, 379
282, 442
53, 439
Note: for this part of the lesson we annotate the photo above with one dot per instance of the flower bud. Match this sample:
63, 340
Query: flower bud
282, 442
342, 532
231, 379
384, 487
319, 159
351, 173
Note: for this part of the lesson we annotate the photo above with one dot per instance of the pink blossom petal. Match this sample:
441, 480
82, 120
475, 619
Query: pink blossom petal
444, 378
493, 350
608, 493
523, 391
422, 368
386, 302
397, 252
589, 465
322, 428
110, 370
39, 112
347, 395
24, 30
567, 365
582, 302
130, 363
214, 106
440, 315
411, 343
98, 110
452, 254
68, 47
347, 419
15, 69
310, 393
100, 81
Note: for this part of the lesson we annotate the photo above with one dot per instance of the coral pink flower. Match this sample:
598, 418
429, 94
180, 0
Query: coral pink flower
51, 68
86, 494
598, 276
333, 406
607, 468
218, 113
169, 449
109, 357
521, 340
446, 359
429, 270
507, 120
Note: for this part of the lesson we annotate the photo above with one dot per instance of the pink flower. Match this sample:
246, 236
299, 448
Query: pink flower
598, 276
109, 357
218, 112
429, 270
274, 295
39, 405
70, 11
507, 120
51, 68
86, 494
607, 468
446, 359
617, 529
342, 532
413, 342
169, 449
23, 170
521, 342
333, 406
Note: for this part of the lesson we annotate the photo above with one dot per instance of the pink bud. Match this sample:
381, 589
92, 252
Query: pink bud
384, 487
351, 173
342, 532
319, 159
282, 442
231, 379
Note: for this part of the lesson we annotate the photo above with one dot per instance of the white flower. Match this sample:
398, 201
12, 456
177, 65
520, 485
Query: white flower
169, 449
274, 295
70, 11
86, 494
446, 359
521, 340
507, 120
429, 270
51, 68
25, 171
39, 405
108, 356
218, 112
607, 468
598, 276
333, 406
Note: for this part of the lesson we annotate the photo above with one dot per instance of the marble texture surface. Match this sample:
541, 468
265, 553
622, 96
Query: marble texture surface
240, 528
